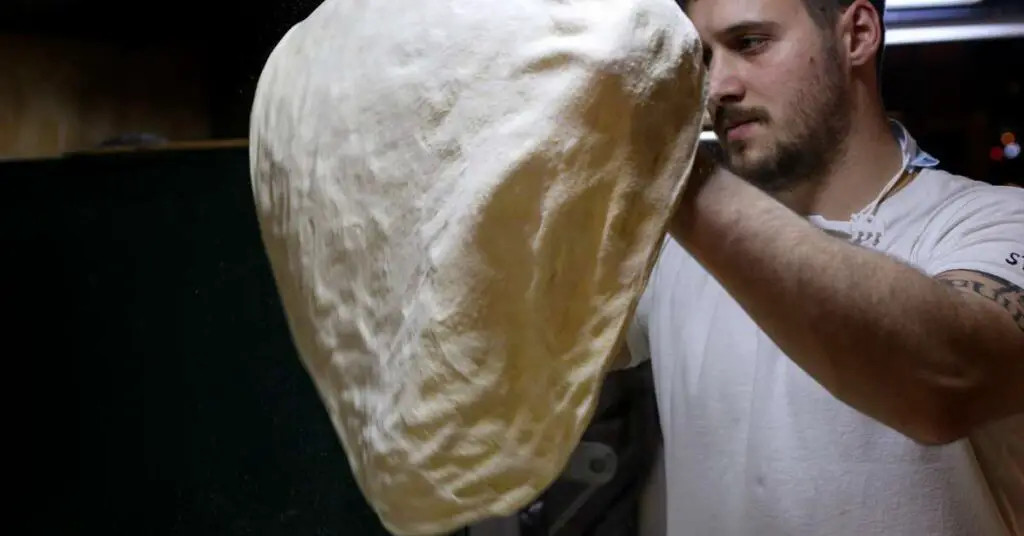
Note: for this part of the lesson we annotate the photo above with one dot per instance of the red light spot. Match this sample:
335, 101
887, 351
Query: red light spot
996, 153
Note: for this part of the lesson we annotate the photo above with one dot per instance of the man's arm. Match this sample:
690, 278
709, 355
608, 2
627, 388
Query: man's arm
1008, 296
930, 359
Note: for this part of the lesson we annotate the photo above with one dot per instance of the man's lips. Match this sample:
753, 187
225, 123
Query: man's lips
740, 130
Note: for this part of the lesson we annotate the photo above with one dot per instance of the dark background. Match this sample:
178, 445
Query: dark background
153, 385
957, 98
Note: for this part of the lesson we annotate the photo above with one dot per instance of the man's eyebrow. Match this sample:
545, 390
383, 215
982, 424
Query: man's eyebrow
748, 27
738, 29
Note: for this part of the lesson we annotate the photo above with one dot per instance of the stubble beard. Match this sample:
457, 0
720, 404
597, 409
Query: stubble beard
810, 141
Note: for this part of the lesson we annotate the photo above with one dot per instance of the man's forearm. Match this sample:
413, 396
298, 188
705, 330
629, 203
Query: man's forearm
878, 334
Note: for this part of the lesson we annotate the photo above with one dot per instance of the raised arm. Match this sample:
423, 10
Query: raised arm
930, 357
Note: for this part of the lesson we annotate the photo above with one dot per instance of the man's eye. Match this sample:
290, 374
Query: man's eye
751, 43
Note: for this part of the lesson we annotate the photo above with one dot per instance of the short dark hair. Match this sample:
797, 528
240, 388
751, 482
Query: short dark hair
825, 12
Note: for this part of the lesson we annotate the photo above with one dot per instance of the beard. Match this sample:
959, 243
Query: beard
806, 143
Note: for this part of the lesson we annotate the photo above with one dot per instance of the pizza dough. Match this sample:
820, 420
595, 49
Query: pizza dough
461, 201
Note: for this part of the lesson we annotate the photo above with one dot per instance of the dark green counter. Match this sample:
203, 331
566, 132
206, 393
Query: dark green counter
152, 385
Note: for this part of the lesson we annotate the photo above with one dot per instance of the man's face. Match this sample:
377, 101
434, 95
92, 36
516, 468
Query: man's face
778, 94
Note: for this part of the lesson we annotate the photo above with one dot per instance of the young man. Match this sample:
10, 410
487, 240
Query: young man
833, 314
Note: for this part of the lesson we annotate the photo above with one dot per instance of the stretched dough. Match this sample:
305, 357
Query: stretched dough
461, 201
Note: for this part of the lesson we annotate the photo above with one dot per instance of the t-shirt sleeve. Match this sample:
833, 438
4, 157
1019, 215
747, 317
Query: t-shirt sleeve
982, 230
636, 337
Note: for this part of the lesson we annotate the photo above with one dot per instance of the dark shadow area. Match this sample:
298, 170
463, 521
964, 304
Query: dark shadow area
165, 395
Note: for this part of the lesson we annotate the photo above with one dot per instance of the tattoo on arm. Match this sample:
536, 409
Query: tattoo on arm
1002, 292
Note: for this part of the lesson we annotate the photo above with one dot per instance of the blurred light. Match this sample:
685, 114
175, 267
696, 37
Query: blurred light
919, 4
996, 153
1011, 151
1007, 138
949, 33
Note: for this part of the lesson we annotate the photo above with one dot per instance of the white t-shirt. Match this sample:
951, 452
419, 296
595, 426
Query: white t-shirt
753, 446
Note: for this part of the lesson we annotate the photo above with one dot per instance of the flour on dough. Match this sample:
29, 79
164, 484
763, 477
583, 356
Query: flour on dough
461, 201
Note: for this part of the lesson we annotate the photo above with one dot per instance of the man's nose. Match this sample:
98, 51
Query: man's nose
724, 86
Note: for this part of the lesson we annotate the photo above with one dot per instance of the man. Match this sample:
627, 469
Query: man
826, 330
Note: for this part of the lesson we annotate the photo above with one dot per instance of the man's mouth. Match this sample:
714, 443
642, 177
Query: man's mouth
739, 129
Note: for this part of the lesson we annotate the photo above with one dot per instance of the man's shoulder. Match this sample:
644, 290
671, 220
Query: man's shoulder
944, 199
957, 189
955, 223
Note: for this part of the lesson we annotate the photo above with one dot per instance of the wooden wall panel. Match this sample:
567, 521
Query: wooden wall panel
59, 95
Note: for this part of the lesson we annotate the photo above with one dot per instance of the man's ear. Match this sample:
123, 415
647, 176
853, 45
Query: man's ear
863, 32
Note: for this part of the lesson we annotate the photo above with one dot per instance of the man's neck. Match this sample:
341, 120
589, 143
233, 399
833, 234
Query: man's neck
870, 159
